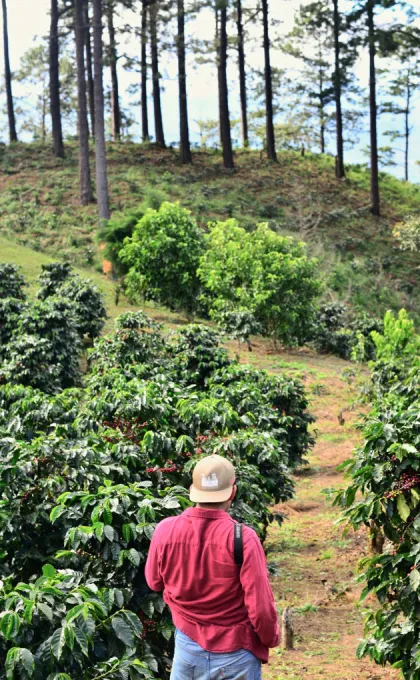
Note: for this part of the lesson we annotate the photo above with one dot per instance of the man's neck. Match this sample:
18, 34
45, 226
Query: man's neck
212, 506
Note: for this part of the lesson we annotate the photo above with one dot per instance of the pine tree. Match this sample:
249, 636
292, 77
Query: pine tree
403, 85
242, 74
8, 77
89, 66
311, 42
57, 131
113, 59
100, 151
225, 131
153, 21
373, 110
270, 141
144, 41
86, 194
339, 165
185, 148
375, 38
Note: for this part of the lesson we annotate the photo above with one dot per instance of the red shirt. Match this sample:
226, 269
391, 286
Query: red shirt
191, 559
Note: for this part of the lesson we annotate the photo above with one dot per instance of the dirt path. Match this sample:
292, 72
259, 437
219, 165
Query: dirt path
317, 564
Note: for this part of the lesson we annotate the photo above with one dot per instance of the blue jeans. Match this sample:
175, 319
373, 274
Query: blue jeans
192, 662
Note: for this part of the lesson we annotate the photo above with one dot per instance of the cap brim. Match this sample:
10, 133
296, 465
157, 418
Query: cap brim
199, 496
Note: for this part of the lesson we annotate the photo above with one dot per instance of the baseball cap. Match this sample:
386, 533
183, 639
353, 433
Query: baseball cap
213, 480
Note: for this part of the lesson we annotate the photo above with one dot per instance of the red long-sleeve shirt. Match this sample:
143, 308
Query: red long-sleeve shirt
191, 560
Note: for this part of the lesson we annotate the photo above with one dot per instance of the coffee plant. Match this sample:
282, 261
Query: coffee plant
12, 282
337, 330
58, 279
86, 472
384, 494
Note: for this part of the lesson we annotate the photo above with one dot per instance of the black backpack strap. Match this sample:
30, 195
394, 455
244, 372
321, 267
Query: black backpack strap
238, 545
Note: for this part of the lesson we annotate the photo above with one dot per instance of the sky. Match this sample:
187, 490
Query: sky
29, 19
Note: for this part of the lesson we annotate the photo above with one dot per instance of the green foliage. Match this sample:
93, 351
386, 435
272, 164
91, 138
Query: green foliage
398, 350
384, 493
238, 324
62, 622
12, 282
114, 233
266, 274
45, 348
408, 233
89, 308
85, 475
163, 255
338, 330
198, 354
10, 311
53, 276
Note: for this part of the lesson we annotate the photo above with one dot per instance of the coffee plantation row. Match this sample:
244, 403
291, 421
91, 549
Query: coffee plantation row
384, 494
90, 463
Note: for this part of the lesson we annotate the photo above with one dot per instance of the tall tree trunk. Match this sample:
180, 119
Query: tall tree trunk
8, 77
217, 44
144, 111
86, 194
115, 97
224, 93
339, 165
57, 131
159, 135
89, 66
271, 142
100, 151
407, 126
321, 101
185, 148
242, 75
374, 164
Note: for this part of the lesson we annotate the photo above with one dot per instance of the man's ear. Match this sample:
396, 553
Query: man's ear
233, 494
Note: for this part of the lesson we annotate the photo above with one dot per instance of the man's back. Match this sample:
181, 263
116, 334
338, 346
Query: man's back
217, 604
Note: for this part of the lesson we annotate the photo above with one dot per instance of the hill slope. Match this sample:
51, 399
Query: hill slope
359, 258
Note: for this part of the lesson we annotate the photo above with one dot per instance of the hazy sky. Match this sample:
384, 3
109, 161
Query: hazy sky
29, 18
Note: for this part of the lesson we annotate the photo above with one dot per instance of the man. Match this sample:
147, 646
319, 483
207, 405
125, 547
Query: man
225, 615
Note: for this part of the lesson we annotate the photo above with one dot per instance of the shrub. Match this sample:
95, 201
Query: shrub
408, 233
12, 282
114, 233
45, 349
10, 311
58, 279
89, 305
163, 255
85, 474
264, 273
197, 354
338, 330
384, 494
52, 277
238, 324
121, 226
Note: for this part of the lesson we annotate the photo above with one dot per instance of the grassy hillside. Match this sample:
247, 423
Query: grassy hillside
359, 259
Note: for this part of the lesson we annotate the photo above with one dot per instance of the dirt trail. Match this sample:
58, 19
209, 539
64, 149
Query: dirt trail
317, 564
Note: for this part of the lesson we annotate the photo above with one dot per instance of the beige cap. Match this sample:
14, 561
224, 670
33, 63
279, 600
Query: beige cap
213, 480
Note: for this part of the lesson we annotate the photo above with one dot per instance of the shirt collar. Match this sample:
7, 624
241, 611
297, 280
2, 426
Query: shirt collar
206, 513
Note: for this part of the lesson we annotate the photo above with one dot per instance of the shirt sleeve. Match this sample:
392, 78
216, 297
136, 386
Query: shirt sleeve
152, 570
258, 596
